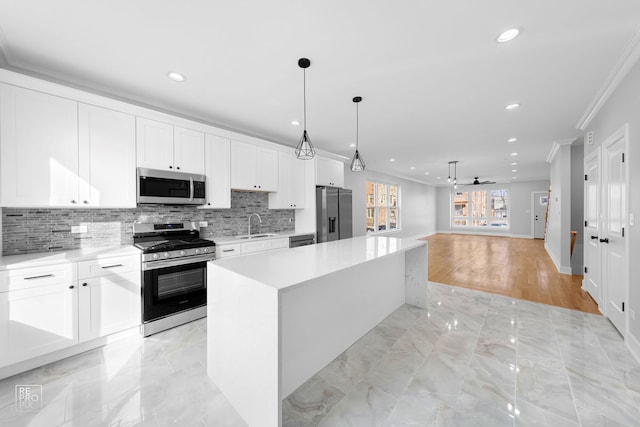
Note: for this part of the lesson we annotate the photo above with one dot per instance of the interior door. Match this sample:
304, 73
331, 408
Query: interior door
592, 253
613, 237
540, 203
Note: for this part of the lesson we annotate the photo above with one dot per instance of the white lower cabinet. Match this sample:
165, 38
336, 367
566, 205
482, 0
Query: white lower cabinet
36, 321
44, 309
253, 246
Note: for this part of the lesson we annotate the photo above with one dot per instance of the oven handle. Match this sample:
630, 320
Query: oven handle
154, 265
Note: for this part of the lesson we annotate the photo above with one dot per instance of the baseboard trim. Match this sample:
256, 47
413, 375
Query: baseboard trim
634, 346
561, 269
45, 359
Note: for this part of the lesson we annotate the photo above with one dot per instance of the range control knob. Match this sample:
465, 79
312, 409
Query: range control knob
205, 250
166, 254
156, 256
197, 251
183, 253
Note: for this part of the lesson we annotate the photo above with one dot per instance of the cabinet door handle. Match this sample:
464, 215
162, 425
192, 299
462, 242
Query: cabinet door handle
112, 266
74, 202
170, 167
594, 237
604, 240
71, 287
85, 284
85, 202
38, 277
228, 250
178, 167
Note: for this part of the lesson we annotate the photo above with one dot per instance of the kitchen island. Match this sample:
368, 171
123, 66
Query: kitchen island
277, 318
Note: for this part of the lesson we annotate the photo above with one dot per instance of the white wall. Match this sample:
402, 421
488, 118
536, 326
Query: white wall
577, 205
558, 237
521, 221
624, 107
417, 202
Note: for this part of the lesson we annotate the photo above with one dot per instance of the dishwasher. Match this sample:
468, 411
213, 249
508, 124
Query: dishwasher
301, 240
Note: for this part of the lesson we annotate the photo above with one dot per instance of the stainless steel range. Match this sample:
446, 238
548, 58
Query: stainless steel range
174, 274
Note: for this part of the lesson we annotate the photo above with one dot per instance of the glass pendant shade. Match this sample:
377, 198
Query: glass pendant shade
357, 164
304, 150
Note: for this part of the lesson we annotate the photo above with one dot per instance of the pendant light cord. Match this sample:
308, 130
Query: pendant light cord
357, 126
304, 97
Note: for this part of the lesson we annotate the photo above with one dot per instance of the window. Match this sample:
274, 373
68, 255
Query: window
478, 209
383, 207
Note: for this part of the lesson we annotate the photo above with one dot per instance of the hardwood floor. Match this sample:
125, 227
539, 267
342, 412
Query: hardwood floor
518, 268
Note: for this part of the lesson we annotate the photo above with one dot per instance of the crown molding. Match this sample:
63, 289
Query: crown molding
556, 147
618, 73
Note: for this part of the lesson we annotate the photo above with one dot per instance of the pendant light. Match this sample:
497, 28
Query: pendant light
304, 150
357, 164
455, 173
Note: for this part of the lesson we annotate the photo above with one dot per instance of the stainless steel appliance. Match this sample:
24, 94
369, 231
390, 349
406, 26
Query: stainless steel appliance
171, 188
333, 214
301, 240
174, 274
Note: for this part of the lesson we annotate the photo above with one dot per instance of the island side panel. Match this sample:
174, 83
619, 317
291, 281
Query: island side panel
243, 345
323, 317
416, 276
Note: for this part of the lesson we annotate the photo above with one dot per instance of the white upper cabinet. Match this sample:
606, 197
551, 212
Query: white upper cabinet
188, 150
329, 172
107, 151
253, 168
291, 178
38, 148
167, 147
218, 171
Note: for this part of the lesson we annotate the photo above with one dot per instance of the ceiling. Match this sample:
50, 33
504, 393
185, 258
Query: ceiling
433, 79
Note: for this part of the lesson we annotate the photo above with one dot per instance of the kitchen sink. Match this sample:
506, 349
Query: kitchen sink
257, 236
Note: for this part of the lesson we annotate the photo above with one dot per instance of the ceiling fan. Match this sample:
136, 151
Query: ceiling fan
477, 182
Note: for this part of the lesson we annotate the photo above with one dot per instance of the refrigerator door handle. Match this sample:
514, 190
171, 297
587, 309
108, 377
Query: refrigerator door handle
332, 224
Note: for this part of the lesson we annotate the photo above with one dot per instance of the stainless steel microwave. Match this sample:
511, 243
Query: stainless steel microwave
170, 188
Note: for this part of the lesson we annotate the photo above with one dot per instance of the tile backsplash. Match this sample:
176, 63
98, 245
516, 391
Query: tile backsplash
29, 230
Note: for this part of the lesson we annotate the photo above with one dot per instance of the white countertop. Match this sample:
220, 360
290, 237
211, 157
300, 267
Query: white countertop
48, 258
286, 267
225, 240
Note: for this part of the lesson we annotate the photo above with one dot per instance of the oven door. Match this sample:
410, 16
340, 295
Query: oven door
168, 288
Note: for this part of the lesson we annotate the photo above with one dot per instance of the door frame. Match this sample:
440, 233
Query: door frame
594, 155
533, 213
622, 132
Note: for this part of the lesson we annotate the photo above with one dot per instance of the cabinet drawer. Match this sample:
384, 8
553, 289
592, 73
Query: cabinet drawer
24, 278
225, 251
106, 266
264, 245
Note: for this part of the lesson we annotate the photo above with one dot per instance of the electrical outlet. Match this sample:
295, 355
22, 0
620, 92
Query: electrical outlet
203, 224
75, 229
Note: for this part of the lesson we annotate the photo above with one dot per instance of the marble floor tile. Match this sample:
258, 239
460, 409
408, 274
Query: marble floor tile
310, 403
492, 381
441, 376
483, 413
544, 383
395, 371
366, 405
424, 410
498, 347
528, 414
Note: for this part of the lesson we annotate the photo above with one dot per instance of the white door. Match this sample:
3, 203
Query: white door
107, 158
540, 203
613, 234
592, 246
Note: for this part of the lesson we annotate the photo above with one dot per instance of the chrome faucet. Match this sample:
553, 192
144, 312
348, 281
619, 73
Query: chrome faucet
250, 216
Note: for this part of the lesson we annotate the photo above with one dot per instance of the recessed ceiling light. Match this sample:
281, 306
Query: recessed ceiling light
438, 177
426, 173
514, 170
352, 145
175, 76
514, 163
412, 167
512, 106
392, 160
508, 35
513, 139
514, 154
295, 123
513, 177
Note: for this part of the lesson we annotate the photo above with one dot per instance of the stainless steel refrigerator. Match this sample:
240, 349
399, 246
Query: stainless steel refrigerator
333, 214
